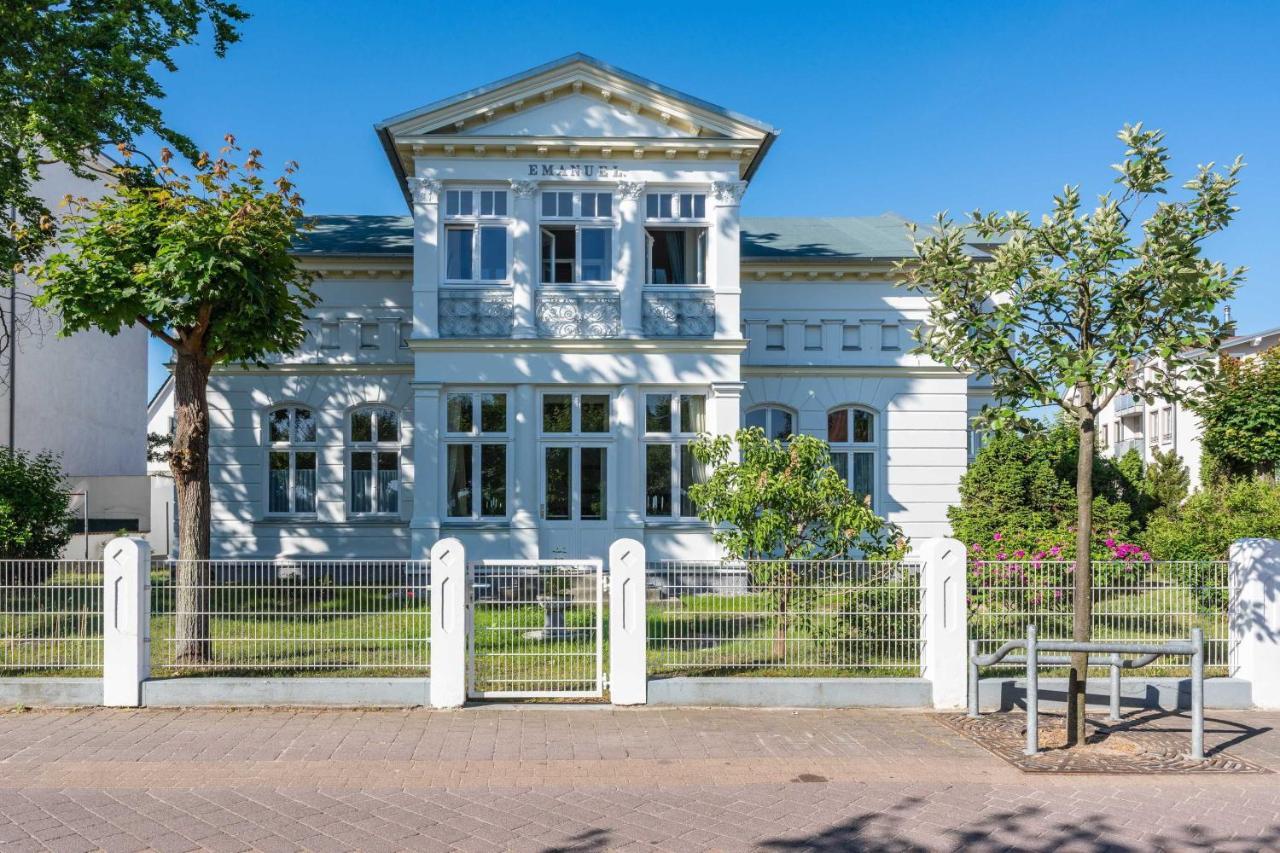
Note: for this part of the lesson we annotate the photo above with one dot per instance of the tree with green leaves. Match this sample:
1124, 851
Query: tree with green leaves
203, 262
34, 521
1240, 410
1061, 310
1166, 482
77, 78
779, 504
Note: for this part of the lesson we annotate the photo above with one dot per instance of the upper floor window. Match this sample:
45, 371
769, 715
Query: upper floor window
675, 253
291, 461
475, 244
671, 421
477, 433
576, 236
778, 424
851, 432
374, 461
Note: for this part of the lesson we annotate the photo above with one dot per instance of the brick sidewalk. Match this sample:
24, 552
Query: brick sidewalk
588, 778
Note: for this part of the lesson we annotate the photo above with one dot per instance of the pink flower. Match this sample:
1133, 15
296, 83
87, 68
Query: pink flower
1002, 556
998, 537
975, 548
1019, 554
1055, 550
1057, 594
1110, 543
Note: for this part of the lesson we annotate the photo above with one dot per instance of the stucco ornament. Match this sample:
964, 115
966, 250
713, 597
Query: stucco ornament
524, 189
579, 315
678, 315
476, 315
728, 192
631, 189
425, 190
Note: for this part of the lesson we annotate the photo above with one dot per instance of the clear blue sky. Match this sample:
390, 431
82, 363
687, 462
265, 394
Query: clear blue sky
909, 107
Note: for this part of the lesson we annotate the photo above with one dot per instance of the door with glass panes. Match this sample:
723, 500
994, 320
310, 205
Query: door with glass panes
575, 454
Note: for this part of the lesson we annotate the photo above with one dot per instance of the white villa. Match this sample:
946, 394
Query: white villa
522, 360
1128, 423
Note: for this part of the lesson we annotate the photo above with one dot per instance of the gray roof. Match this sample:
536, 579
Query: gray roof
780, 238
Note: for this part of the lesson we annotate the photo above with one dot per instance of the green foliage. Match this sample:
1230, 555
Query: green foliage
1240, 409
783, 499
78, 76
1021, 486
202, 261
33, 506
159, 446
1166, 481
1208, 522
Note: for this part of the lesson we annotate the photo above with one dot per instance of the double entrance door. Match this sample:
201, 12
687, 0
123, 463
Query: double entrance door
575, 461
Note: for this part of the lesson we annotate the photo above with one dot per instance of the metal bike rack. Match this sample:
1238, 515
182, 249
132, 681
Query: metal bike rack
1146, 654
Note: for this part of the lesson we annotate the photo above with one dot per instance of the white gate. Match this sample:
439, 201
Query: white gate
535, 629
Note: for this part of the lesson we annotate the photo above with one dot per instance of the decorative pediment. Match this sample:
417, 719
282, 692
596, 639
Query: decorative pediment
579, 115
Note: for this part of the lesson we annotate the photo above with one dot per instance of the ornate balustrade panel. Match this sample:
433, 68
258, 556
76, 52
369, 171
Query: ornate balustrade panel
672, 314
579, 315
476, 314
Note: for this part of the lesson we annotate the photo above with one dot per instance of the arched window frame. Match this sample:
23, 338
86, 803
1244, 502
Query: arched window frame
855, 449
289, 433
770, 418
383, 447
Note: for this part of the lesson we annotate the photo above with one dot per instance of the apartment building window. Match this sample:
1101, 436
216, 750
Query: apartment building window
851, 432
671, 422
1153, 427
778, 424
576, 237
475, 236
291, 461
477, 434
374, 462
1166, 425
675, 238
576, 428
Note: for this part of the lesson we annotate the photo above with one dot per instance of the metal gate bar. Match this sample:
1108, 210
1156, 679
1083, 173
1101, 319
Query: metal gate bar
535, 629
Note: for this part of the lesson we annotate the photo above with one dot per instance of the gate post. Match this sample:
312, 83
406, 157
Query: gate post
1254, 618
449, 619
944, 620
628, 628
126, 622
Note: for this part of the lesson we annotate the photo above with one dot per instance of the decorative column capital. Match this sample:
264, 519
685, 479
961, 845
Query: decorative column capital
425, 190
524, 189
728, 193
631, 189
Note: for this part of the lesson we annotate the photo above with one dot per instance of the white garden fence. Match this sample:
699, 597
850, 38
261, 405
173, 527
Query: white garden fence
51, 617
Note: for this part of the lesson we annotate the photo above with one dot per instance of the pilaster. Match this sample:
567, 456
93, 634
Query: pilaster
524, 262
724, 270
425, 523
631, 256
425, 192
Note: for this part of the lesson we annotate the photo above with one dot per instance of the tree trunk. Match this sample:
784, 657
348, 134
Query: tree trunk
1082, 588
189, 462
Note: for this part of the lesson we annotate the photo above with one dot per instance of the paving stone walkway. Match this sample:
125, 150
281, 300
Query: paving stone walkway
583, 778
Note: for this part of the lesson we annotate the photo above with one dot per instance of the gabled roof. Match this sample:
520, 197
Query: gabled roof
764, 239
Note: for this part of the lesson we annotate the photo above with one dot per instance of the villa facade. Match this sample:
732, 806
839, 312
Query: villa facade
522, 360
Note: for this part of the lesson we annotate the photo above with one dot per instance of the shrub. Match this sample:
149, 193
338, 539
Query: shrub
1207, 523
33, 507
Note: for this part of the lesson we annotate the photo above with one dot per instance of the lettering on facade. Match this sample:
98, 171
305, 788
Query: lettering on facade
574, 170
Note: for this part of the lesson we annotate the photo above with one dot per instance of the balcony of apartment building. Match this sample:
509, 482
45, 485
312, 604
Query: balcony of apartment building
1124, 445
1128, 404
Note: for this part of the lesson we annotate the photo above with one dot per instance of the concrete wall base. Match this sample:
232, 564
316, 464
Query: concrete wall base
1166, 694
50, 692
249, 692
793, 692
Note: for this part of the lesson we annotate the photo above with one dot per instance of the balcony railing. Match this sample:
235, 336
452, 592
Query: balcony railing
1120, 448
1126, 403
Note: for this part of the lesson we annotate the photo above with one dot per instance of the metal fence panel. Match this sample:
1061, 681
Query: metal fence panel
536, 629
266, 617
51, 617
785, 618
1132, 601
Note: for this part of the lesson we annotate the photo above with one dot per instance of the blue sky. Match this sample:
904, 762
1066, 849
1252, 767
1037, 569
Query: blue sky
895, 106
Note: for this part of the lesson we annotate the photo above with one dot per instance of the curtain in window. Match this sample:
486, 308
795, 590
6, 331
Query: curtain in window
361, 482
388, 482
674, 242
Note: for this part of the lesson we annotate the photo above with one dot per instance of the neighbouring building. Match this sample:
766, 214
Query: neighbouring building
1128, 423
164, 497
82, 397
522, 361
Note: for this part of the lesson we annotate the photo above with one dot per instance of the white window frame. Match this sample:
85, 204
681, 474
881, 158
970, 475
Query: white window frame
676, 195
770, 408
375, 447
575, 440
872, 447
475, 438
578, 223
678, 438
475, 221
292, 447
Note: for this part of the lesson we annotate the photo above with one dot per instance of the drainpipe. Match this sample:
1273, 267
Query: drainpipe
13, 343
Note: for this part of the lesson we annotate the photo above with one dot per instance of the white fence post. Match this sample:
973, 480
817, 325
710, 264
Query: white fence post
1254, 617
449, 628
628, 629
126, 622
944, 619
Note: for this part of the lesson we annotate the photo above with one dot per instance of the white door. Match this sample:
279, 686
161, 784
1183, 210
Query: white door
575, 499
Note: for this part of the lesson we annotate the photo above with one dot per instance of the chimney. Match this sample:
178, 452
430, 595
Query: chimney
1228, 325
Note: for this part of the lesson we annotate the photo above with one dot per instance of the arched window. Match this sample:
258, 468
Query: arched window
291, 461
374, 462
777, 423
851, 432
